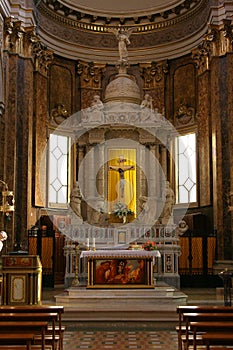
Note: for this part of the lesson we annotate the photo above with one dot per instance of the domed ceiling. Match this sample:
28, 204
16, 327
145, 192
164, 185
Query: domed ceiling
84, 29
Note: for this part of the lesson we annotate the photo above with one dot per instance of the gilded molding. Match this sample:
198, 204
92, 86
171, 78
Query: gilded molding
91, 74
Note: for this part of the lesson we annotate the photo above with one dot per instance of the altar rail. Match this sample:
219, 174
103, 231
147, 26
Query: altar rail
166, 238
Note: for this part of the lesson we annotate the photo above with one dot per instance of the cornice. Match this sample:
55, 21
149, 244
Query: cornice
157, 41
156, 21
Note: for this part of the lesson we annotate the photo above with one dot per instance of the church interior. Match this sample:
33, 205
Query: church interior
116, 175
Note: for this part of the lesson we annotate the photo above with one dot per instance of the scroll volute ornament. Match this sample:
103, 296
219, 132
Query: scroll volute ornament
26, 43
13, 35
91, 74
217, 42
153, 73
42, 56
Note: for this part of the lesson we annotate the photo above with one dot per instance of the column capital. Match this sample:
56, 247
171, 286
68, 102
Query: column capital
153, 73
91, 74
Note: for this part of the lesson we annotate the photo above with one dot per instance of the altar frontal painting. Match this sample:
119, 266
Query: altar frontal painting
120, 272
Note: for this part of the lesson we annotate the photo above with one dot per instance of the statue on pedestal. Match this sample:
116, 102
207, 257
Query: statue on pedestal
122, 35
75, 205
167, 215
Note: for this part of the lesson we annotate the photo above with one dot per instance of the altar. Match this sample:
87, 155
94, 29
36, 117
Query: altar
120, 268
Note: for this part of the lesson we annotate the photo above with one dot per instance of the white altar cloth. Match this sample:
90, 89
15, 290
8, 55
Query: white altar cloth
99, 254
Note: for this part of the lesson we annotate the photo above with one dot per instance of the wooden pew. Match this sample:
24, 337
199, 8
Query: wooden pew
17, 339
181, 328
219, 338
32, 327
187, 340
208, 327
59, 329
32, 317
13, 347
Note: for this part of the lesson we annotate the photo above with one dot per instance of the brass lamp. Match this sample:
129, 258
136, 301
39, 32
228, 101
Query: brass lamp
7, 202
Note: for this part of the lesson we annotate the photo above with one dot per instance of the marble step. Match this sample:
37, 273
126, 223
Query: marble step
74, 315
159, 303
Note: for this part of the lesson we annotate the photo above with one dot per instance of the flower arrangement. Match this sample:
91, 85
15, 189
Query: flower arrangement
149, 246
121, 211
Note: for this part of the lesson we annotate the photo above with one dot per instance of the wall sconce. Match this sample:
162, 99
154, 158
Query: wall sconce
7, 200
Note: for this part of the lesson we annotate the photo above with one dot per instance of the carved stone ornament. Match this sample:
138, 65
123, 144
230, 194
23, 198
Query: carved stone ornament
153, 73
14, 36
217, 42
91, 74
25, 42
201, 56
184, 115
43, 57
59, 114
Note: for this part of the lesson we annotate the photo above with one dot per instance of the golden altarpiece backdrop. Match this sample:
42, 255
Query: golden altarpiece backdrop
99, 106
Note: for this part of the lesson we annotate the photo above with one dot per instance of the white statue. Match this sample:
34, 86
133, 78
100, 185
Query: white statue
122, 34
148, 208
146, 108
182, 227
96, 109
94, 113
167, 214
75, 202
3, 237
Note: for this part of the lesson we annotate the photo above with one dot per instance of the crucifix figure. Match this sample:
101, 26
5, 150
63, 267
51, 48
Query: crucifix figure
121, 170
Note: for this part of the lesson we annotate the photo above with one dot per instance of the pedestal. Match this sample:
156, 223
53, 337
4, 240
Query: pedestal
22, 279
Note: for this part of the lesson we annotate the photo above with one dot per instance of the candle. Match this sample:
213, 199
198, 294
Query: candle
93, 242
88, 242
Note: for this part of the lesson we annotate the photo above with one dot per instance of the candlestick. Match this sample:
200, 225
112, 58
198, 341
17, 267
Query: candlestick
88, 243
93, 244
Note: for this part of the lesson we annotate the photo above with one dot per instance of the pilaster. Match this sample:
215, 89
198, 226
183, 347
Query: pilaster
91, 76
214, 62
20, 59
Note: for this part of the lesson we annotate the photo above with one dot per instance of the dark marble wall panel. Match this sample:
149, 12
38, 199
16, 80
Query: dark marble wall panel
221, 154
40, 139
23, 175
204, 136
10, 133
217, 154
184, 87
226, 131
60, 87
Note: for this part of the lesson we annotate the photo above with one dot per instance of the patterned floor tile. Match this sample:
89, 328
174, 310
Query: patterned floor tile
120, 340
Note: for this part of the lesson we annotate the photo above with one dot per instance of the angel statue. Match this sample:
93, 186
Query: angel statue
122, 34
3, 237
